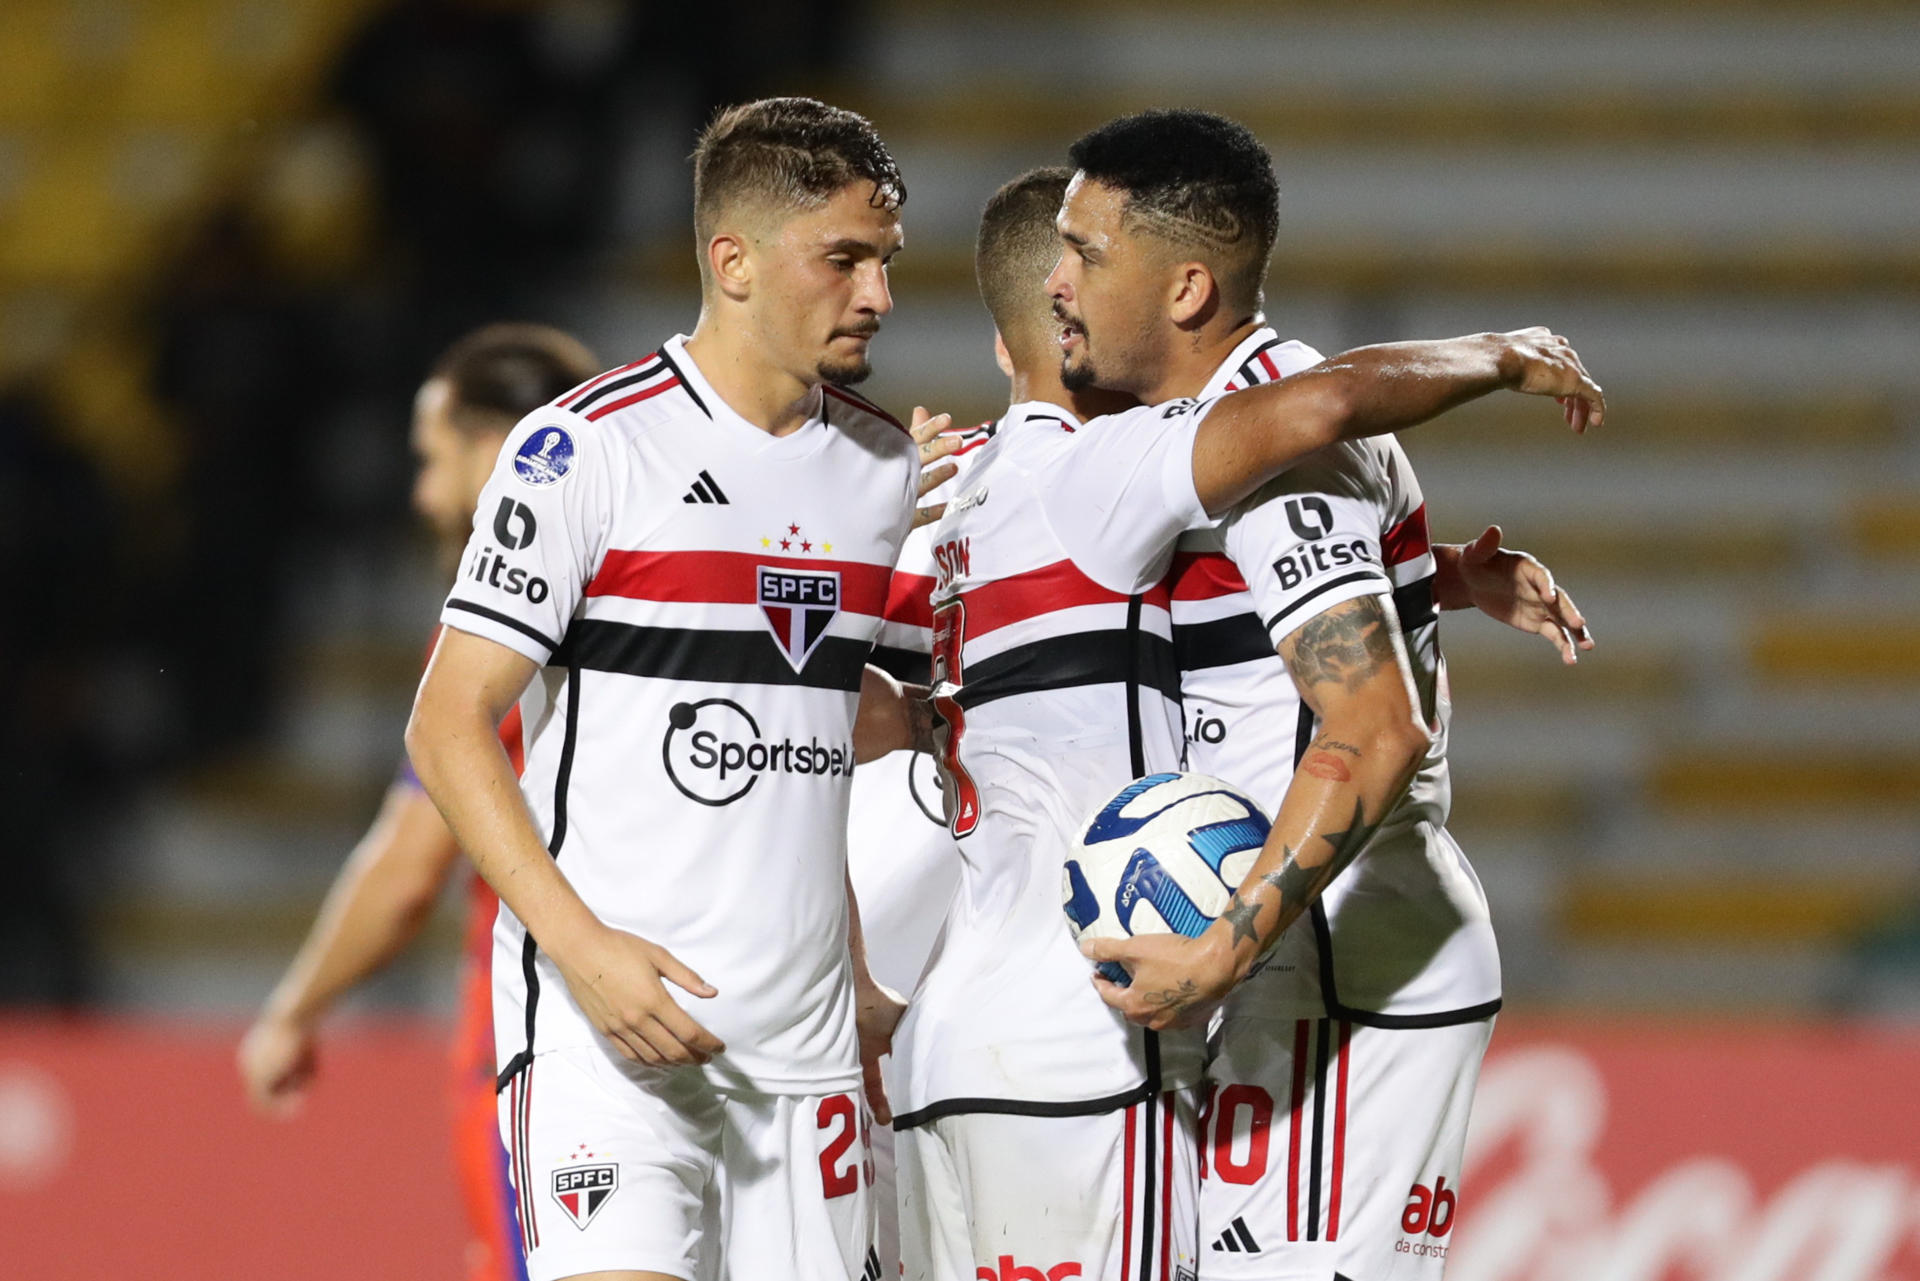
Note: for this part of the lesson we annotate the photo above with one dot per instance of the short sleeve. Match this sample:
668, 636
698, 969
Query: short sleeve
1309, 540
539, 533
1122, 491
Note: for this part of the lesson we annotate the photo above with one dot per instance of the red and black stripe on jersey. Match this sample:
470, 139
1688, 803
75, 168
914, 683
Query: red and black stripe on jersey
858, 402
718, 655
1219, 642
1125, 655
1257, 368
910, 596
616, 389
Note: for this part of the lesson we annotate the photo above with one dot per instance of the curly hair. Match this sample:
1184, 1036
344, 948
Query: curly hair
1197, 180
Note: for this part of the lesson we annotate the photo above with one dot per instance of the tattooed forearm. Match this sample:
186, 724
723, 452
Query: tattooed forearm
1346, 645
1328, 743
1244, 917
1348, 844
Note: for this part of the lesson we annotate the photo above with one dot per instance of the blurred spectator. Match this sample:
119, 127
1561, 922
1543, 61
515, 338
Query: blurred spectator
239, 365
58, 534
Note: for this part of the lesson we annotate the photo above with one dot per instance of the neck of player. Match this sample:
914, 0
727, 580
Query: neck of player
1196, 356
734, 363
1036, 377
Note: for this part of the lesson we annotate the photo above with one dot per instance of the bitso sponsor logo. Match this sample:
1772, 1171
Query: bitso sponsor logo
715, 753
514, 525
491, 568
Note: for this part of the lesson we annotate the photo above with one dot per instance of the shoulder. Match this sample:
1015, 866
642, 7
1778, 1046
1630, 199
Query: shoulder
971, 438
1292, 356
1351, 469
633, 395
859, 417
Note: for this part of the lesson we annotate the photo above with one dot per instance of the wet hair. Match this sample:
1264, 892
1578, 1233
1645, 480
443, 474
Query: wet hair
500, 373
1017, 246
790, 154
1200, 181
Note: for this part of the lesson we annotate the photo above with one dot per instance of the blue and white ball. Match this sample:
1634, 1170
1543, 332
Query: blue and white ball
1162, 857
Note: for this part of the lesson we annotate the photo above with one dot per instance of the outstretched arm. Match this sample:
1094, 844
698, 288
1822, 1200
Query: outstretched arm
615, 977
1253, 435
1351, 669
378, 904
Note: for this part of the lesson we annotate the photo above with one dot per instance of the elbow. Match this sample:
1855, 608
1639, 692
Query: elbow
418, 739
1403, 741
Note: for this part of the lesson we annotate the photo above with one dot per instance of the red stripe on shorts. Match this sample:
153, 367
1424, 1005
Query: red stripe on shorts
1339, 1134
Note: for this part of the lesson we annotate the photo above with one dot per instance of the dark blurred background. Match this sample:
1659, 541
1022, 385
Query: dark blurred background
234, 232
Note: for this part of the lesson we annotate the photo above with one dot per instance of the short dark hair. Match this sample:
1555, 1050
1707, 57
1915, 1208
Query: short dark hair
1018, 244
791, 152
1196, 179
500, 373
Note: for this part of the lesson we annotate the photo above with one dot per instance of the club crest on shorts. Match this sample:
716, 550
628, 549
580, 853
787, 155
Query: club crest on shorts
544, 457
798, 604
582, 1189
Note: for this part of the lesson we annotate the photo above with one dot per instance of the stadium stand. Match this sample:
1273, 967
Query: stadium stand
1718, 202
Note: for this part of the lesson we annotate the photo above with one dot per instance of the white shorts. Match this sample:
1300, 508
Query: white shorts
619, 1167
1111, 1197
1333, 1150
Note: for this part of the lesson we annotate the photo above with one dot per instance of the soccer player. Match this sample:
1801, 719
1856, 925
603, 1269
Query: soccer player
679, 570
1047, 1135
1344, 1071
383, 896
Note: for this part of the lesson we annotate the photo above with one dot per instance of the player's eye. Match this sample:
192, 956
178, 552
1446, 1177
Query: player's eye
841, 262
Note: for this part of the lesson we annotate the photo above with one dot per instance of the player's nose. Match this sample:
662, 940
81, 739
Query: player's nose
1057, 286
876, 295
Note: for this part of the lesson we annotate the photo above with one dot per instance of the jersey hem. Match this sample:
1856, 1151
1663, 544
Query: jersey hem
1024, 1107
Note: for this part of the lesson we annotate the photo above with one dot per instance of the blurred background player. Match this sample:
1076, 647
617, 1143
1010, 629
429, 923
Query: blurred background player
385, 893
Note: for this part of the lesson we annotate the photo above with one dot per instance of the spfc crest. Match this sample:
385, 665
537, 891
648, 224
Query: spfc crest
798, 603
582, 1189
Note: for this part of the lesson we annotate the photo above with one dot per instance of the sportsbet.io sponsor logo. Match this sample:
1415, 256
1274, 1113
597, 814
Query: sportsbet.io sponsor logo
714, 752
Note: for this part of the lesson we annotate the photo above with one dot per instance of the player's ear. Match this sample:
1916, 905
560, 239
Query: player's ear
730, 265
1001, 356
1194, 295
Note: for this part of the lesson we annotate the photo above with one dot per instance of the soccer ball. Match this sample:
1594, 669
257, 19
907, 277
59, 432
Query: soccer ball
1162, 857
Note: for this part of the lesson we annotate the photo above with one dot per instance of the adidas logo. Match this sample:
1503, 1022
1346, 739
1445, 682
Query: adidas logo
706, 490
871, 1272
1237, 1240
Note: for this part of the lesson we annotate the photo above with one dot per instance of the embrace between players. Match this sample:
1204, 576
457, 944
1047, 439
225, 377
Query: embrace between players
679, 573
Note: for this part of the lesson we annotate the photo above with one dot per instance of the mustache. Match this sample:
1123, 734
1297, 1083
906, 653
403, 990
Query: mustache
1060, 314
867, 330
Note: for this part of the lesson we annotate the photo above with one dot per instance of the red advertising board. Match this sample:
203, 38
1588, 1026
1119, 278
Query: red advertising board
1671, 1152
126, 1151
1628, 1151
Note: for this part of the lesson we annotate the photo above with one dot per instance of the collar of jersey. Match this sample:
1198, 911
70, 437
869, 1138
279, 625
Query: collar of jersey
796, 444
1239, 356
1027, 409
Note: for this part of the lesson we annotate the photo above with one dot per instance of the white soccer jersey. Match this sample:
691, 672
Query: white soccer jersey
899, 850
702, 597
1053, 667
1401, 938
